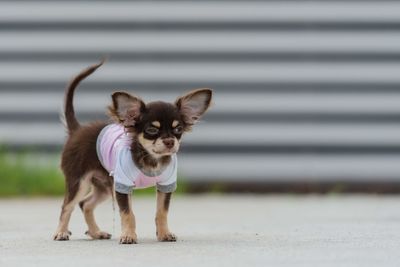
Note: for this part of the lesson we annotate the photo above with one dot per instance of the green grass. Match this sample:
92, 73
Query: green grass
38, 174
27, 174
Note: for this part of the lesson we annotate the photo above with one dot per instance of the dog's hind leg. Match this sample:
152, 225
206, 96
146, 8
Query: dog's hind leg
100, 192
75, 193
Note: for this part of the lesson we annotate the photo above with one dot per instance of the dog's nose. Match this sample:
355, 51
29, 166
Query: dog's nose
169, 142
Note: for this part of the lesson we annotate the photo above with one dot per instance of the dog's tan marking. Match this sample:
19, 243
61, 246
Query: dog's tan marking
156, 124
128, 223
88, 206
143, 141
163, 233
175, 123
62, 232
151, 146
128, 235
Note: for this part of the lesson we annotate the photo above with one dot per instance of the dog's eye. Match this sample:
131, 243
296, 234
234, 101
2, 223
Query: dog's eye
178, 130
152, 131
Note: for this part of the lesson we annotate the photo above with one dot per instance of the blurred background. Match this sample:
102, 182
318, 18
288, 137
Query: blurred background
307, 93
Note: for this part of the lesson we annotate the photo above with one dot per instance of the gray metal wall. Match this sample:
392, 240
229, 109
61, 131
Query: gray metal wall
304, 90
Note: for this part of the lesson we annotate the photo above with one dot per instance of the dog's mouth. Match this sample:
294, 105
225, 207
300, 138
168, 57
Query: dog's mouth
166, 152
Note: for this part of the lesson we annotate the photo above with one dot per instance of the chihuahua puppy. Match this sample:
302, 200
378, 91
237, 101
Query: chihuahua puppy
137, 150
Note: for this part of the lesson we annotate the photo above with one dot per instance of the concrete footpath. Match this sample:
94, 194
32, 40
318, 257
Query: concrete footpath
213, 231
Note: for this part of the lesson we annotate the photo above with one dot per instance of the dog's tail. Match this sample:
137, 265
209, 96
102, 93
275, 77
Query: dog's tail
69, 114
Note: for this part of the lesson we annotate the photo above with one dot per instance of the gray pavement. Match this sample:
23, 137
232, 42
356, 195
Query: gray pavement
213, 230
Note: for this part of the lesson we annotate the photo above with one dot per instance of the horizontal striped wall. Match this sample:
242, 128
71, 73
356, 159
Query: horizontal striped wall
305, 91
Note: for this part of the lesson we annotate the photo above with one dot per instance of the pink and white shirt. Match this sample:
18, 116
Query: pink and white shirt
114, 152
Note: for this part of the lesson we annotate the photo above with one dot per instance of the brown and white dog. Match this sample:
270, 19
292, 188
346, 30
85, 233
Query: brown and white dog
156, 129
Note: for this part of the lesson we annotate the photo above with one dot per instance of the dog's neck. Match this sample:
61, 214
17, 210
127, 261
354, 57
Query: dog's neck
146, 162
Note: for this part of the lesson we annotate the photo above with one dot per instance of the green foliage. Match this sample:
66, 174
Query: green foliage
26, 174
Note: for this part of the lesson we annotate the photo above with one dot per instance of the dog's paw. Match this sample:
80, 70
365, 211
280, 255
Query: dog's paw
167, 237
128, 239
98, 235
62, 236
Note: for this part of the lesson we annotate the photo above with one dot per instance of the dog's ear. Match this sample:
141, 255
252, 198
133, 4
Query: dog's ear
193, 104
126, 108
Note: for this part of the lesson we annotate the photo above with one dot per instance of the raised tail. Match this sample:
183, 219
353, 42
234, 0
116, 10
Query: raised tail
70, 120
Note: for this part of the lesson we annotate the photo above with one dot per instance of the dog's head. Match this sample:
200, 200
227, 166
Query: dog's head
159, 126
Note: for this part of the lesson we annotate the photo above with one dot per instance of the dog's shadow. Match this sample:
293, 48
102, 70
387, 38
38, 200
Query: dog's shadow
206, 240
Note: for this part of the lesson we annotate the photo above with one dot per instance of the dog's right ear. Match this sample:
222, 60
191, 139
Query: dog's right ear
126, 108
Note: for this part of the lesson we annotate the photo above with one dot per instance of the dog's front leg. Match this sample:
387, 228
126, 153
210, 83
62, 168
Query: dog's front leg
128, 224
163, 233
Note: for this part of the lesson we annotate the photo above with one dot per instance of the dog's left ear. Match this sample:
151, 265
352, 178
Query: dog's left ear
126, 108
194, 104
